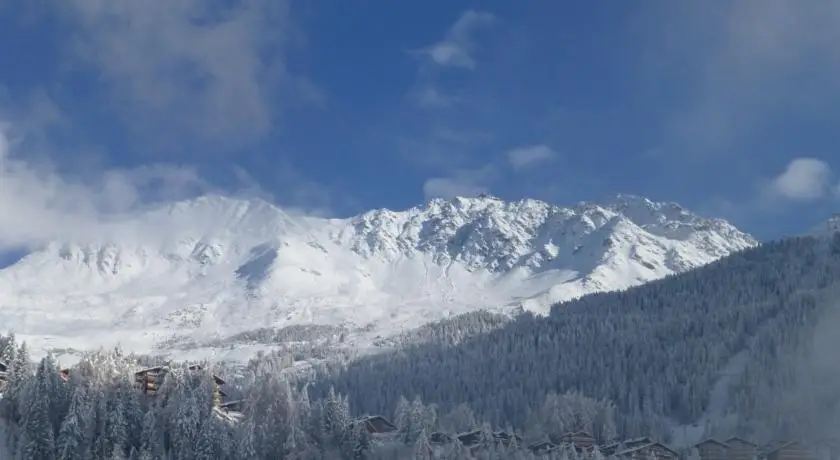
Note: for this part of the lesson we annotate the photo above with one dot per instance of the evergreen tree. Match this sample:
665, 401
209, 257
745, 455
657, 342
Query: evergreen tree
71, 443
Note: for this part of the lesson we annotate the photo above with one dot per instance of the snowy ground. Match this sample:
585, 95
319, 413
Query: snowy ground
374, 299
201, 271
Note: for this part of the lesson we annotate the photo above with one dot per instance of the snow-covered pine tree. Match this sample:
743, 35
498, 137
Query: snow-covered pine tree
71, 443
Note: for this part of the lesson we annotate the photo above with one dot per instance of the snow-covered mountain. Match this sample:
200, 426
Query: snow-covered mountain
215, 266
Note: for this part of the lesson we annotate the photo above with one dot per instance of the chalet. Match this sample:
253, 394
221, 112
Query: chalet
543, 447
476, 438
740, 449
470, 438
712, 449
582, 441
612, 448
3, 370
646, 451
377, 424
150, 379
793, 450
507, 438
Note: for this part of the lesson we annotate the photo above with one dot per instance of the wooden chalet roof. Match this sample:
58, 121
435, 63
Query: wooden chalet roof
711, 441
377, 424
149, 369
637, 441
741, 440
781, 446
194, 367
645, 446
771, 446
469, 438
609, 449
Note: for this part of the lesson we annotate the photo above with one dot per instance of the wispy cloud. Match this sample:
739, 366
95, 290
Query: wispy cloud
39, 204
456, 47
482, 179
431, 98
184, 76
450, 187
454, 51
804, 179
463, 182
525, 157
187, 68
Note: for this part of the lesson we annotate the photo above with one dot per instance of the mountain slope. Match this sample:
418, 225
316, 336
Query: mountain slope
747, 343
215, 266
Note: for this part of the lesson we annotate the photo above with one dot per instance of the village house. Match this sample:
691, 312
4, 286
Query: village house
470, 438
612, 448
792, 450
582, 441
712, 449
477, 439
3, 370
376, 424
740, 449
655, 450
150, 379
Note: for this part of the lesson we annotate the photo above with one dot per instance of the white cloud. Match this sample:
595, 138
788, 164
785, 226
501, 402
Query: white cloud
38, 205
462, 182
525, 157
456, 47
449, 187
431, 98
803, 179
187, 66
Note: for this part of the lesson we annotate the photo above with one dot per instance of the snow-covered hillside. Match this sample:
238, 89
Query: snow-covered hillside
215, 266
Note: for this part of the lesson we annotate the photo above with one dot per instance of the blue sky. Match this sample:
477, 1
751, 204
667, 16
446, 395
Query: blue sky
339, 107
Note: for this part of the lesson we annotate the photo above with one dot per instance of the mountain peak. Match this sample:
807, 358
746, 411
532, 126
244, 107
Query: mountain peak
215, 266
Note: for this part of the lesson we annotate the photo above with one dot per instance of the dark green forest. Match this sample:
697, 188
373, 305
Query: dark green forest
655, 351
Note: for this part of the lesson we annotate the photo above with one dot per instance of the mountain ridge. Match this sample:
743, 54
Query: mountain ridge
216, 266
